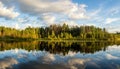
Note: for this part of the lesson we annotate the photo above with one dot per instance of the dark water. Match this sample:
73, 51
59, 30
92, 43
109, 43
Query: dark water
59, 55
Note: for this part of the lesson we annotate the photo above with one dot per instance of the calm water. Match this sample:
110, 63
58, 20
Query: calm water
59, 55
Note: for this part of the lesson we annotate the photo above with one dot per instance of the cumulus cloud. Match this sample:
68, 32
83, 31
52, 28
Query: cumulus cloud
78, 12
43, 6
51, 8
39, 7
7, 13
48, 19
111, 20
74, 11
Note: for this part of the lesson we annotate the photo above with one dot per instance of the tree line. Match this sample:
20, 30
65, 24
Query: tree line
57, 32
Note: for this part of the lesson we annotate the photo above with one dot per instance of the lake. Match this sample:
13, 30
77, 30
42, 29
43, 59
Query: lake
59, 55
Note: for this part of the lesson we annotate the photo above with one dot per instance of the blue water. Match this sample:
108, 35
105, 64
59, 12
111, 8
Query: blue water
24, 59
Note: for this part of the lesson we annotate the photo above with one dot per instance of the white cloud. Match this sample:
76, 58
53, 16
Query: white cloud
21, 20
113, 11
16, 26
78, 12
48, 19
73, 11
78, 15
54, 10
111, 20
114, 30
95, 12
64, 7
70, 23
89, 24
7, 13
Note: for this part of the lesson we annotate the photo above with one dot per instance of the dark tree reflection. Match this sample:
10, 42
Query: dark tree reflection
57, 47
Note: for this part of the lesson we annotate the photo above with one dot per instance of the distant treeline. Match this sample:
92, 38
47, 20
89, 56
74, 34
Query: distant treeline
58, 32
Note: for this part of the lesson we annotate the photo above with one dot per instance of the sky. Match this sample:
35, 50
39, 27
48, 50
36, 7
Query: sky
20, 14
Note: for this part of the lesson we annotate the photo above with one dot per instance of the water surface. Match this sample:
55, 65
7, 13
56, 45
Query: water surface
59, 55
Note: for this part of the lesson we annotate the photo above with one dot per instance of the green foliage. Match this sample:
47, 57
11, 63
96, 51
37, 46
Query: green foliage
57, 32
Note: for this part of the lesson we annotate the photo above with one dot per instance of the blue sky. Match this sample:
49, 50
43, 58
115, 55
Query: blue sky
20, 14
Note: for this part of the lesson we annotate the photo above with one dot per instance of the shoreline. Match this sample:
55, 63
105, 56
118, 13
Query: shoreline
62, 40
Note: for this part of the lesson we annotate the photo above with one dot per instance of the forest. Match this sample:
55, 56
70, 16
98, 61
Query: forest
58, 32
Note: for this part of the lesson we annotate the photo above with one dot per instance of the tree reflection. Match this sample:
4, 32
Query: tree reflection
65, 47
58, 47
20, 45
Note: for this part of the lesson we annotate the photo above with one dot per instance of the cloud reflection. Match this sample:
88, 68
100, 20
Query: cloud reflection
39, 60
49, 57
109, 56
23, 59
77, 63
7, 62
70, 64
